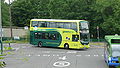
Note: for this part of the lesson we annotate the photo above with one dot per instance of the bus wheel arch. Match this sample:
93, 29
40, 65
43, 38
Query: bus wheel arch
66, 45
39, 44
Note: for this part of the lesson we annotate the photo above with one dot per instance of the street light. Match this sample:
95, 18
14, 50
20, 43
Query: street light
1, 29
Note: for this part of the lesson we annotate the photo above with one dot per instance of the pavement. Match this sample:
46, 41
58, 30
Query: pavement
29, 56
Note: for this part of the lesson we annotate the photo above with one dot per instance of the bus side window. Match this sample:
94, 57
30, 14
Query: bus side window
39, 35
43, 35
36, 35
46, 36
53, 36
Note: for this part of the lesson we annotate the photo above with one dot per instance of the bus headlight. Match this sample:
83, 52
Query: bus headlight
109, 59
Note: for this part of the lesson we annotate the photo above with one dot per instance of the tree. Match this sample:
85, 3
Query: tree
5, 13
102, 13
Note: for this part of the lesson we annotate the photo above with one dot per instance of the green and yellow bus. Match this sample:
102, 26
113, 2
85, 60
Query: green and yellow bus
59, 33
112, 51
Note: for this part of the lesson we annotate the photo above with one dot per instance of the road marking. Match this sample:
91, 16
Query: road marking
87, 55
46, 55
78, 55
95, 55
61, 64
16, 49
29, 55
63, 58
23, 46
72, 52
57, 55
38, 55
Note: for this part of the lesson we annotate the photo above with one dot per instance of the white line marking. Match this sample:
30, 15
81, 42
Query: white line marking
38, 55
28, 55
16, 49
95, 55
87, 55
72, 52
57, 55
78, 55
48, 55
23, 46
61, 64
63, 58
45, 55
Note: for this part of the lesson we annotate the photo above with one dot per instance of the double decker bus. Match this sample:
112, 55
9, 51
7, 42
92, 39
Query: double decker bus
59, 33
112, 51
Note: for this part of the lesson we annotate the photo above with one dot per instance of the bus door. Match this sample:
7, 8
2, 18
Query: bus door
84, 38
31, 37
37, 37
75, 39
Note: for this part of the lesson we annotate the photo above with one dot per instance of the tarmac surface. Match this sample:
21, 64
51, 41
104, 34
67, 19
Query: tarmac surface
29, 56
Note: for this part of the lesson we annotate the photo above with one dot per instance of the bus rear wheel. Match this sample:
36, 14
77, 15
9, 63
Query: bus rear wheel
66, 46
40, 44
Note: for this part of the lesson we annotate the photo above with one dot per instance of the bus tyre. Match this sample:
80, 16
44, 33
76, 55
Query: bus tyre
66, 46
111, 67
40, 44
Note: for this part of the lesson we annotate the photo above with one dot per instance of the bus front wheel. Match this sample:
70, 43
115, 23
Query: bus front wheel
40, 44
66, 46
112, 67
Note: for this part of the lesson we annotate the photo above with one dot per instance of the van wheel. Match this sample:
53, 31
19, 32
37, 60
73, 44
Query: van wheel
66, 46
40, 44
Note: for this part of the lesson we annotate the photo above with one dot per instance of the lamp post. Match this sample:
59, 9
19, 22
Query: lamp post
10, 20
1, 29
98, 36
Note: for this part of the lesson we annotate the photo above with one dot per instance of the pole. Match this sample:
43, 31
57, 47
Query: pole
10, 20
98, 36
1, 29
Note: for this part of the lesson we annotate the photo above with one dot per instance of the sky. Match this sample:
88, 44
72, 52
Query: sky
7, 1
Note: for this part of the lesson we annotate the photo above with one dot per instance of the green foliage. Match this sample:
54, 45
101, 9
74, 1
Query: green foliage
5, 13
102, 13
2, 64
8, 48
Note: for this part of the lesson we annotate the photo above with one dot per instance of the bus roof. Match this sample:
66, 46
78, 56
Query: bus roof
56, 20
112, 37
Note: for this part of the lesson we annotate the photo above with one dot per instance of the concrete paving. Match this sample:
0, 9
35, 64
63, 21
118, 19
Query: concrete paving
28, 56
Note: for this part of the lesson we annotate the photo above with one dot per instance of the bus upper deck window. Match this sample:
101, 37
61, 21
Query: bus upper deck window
34, 23
115, 40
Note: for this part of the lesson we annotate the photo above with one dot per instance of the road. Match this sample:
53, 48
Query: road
28, 56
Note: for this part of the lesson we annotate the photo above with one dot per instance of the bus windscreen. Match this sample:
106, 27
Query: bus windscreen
115, 40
